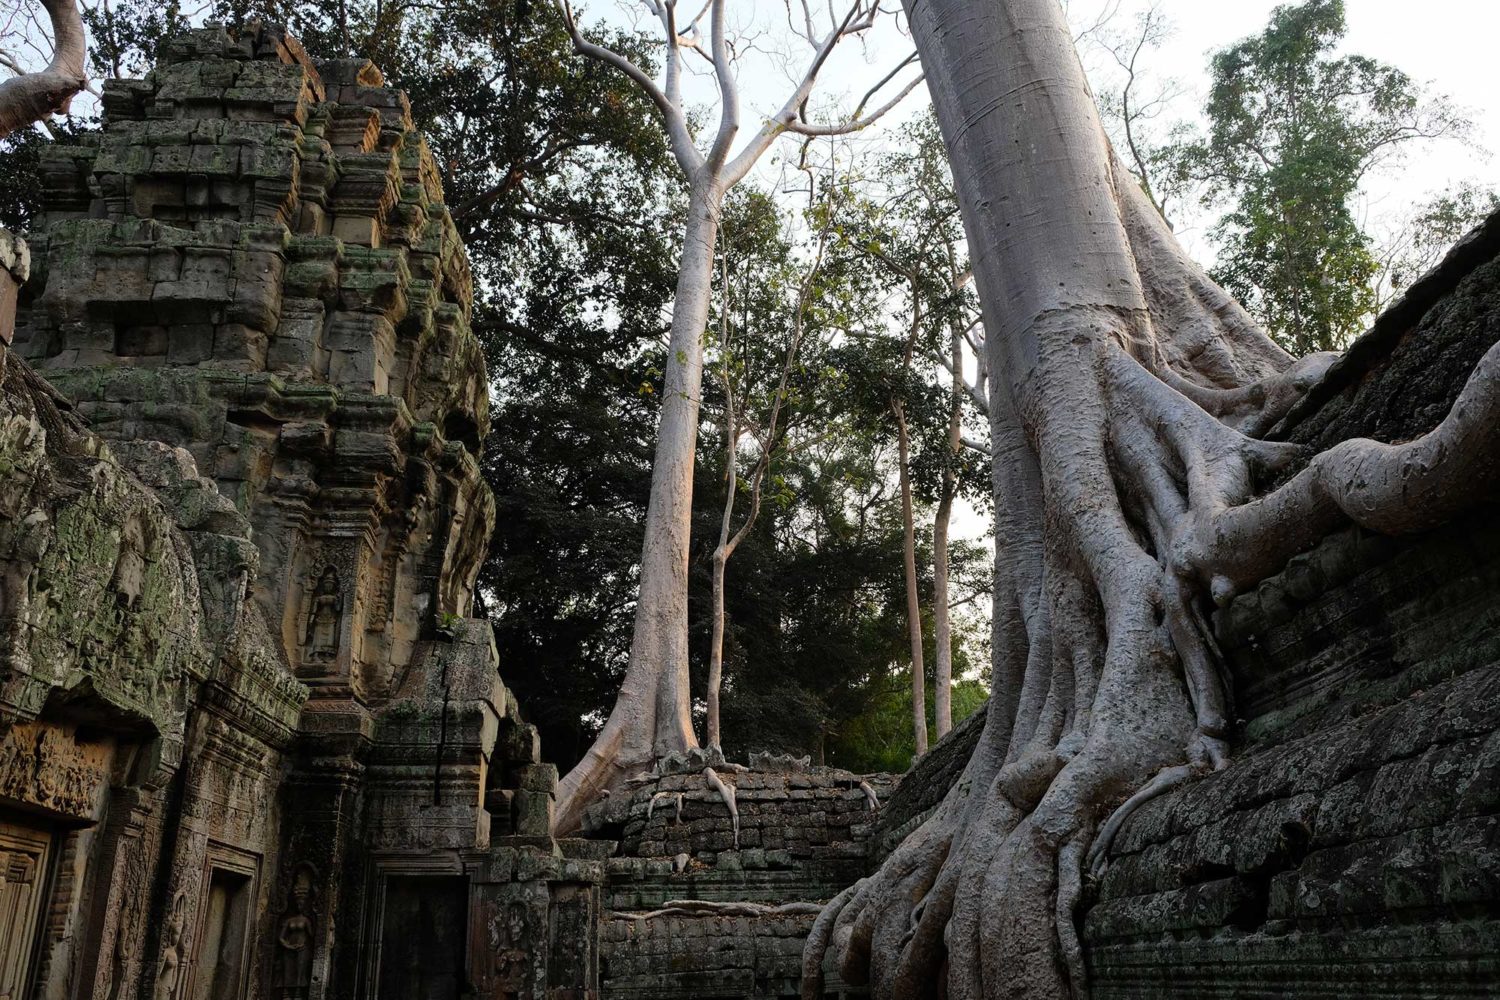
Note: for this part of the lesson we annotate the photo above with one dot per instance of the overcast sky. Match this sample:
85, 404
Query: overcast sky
1445, 44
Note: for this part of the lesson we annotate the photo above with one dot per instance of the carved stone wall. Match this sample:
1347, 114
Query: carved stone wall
1351, 847
236, 669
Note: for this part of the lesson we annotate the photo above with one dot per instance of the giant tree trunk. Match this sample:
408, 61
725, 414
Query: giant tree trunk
652, 715
31, 97
1129, 390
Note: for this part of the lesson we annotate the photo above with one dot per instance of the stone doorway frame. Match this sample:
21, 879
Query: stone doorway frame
382, 868
26, 831
222, 857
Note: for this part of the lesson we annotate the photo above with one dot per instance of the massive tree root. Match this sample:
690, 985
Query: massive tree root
1133, 492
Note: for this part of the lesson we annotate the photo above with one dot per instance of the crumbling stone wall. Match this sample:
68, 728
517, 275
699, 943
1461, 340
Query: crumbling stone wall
298, 765
705, 955
1351, 847
144, 711
710, 892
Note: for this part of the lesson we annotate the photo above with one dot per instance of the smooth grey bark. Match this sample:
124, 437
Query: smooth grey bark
942, 629
1127, 393
722, 552
909, 534
909, 571
31, 97
652, 716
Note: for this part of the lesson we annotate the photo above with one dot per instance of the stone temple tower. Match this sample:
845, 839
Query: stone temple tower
248, 287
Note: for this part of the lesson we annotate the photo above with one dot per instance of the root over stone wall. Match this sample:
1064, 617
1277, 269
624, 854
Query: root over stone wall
1353, 846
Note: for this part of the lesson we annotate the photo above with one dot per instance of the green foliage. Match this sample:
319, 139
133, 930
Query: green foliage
815, 626
816, 646
559, 179
1293, 128
882, 739
20, 178
126, 37
900, 224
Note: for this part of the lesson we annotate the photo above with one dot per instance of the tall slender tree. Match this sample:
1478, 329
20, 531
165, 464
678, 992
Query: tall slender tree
791, 295
1129, 399
908, 224
652, 715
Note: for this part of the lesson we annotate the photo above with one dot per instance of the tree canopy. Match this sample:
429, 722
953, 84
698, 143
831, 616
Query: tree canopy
1293, 129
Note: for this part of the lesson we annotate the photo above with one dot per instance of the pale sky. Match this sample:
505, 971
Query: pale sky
1445, 44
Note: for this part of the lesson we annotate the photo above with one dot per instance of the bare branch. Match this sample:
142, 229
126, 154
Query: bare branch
856, 20
729, 93
687, 154
854, 124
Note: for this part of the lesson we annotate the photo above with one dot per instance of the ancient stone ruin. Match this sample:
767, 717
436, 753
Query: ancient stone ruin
252, 745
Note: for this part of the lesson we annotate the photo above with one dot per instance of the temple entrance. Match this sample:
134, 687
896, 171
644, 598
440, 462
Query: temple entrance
426, 922
25, 858
226, 925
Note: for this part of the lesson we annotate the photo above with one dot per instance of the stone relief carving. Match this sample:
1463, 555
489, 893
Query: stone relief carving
512, 962
129, 577
324, 615
294, 939
23, 542
169, 967
44, 766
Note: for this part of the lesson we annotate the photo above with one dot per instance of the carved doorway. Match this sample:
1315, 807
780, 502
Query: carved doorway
219, 973
25, 862
424, 927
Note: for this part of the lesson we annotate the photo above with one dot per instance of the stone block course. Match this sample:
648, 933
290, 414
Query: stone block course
1350, 846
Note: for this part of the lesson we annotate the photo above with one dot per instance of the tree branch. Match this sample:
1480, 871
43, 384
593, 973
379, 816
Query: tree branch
34, 96
783, 120
681, 139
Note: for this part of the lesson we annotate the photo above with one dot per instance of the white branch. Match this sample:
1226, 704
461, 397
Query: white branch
973, 445
681, 139
729, 93
783, 120
854, 124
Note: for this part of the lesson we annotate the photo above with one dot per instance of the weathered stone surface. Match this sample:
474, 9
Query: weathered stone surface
235, 645
1350, 847
919, 793
799, 835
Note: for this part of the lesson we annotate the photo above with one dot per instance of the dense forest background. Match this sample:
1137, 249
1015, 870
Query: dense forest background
840, 301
